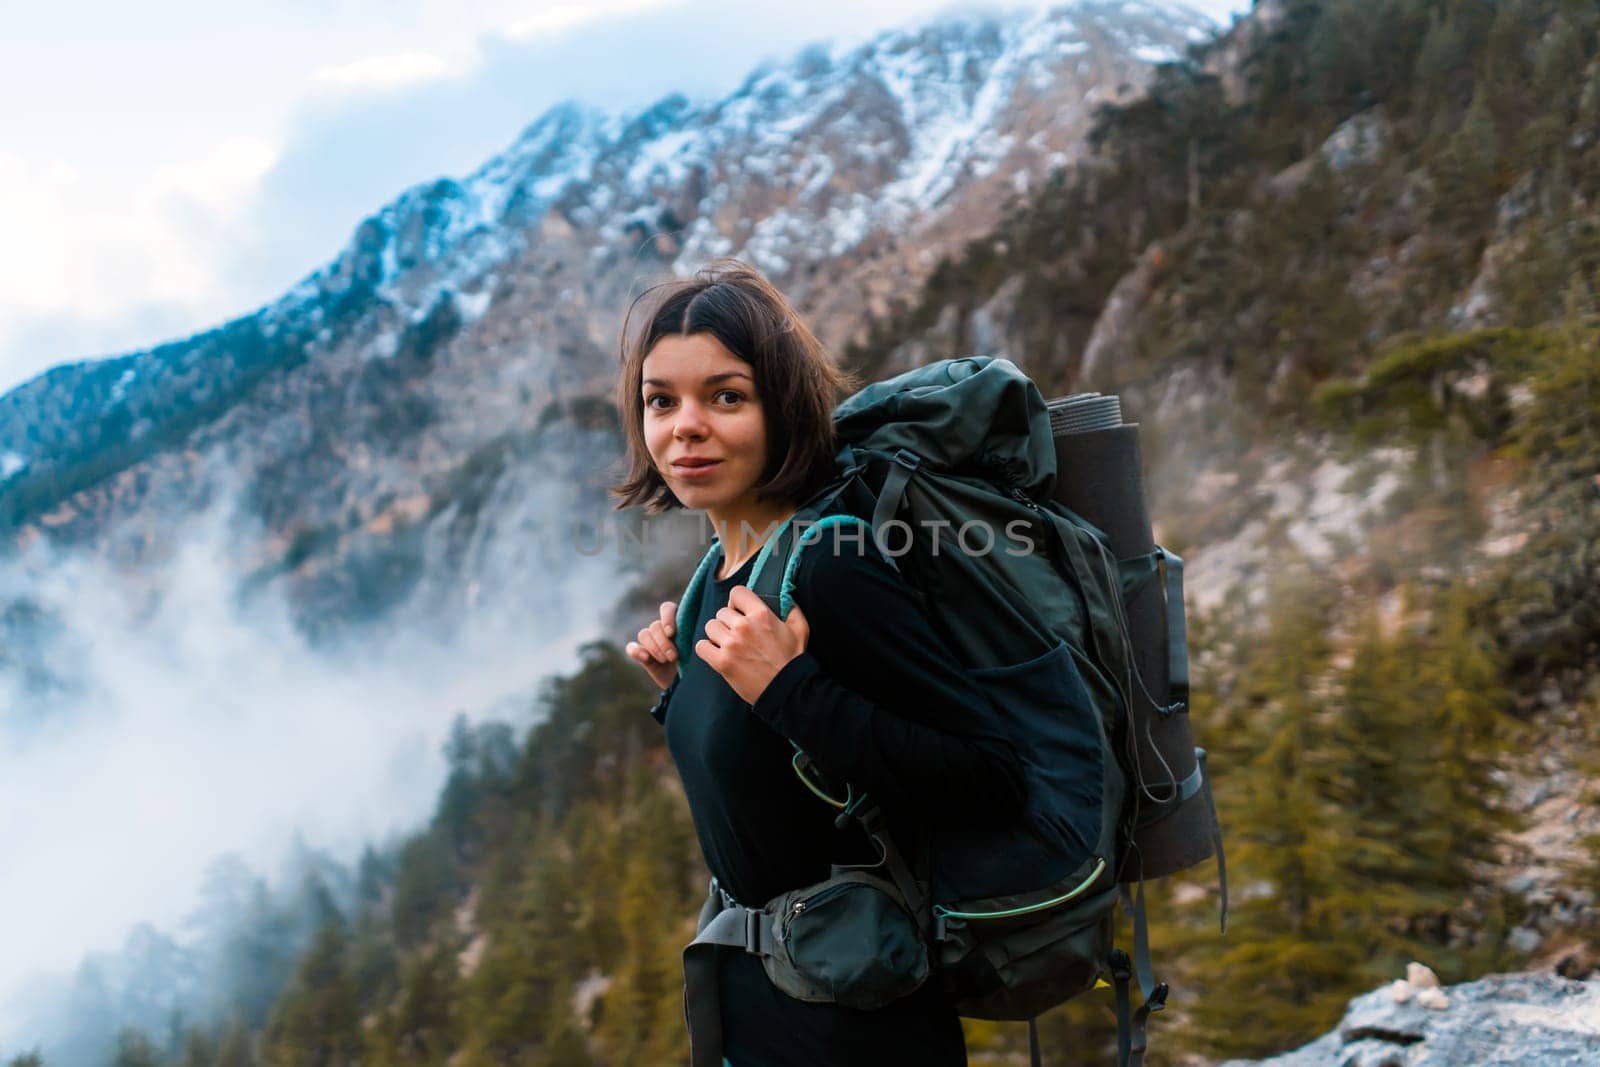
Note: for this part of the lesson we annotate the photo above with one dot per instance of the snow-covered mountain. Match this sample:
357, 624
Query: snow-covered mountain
470, 312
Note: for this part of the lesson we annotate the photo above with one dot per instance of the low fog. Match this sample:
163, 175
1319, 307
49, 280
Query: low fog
157, 719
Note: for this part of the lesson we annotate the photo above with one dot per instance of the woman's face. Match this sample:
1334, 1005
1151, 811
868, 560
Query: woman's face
703, 422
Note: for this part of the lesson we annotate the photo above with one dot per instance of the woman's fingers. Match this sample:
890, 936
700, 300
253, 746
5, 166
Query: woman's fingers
660, 673
655, 638
717, 631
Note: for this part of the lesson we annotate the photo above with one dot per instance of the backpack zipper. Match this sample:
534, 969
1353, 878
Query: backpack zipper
1094, 876
1022, 498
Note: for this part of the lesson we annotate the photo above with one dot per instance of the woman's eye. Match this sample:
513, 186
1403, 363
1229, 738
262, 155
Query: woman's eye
734, 395
650, 401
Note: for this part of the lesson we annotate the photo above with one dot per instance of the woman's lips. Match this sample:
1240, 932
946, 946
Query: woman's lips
695, 470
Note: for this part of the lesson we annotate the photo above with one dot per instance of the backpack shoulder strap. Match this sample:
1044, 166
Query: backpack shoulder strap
689, 602
815, 533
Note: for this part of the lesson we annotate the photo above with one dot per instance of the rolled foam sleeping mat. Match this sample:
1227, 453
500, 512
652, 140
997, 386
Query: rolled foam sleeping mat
1099, 476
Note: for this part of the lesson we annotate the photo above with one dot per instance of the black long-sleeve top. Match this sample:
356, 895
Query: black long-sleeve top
876, 700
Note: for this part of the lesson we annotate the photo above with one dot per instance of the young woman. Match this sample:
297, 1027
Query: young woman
727, 399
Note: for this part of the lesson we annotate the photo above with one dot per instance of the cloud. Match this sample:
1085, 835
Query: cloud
107, 261
559, 17
383, 73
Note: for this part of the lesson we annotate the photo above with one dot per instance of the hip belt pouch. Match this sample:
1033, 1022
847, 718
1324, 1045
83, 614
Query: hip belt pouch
849, 940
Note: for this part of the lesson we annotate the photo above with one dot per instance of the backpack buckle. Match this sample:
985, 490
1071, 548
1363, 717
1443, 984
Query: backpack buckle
1157, 1000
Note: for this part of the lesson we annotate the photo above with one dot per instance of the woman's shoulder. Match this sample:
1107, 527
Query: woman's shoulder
842, 562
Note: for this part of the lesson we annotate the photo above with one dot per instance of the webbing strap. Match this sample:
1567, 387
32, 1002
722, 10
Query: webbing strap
894, 487
702, 1007
1133, 1027
749, 929
1120, 974
1094, 595
1132, 1030
1177, 632
1034, 1059
873, 822
1139, 1033
743, 928
1141, 945
1216, 841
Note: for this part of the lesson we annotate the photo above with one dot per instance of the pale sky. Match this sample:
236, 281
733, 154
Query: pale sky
170, 164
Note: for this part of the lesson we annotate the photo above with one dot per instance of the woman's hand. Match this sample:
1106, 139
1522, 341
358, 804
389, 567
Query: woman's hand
655, 650
748, 644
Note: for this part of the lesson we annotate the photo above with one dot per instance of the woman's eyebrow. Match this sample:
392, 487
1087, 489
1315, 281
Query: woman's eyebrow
714, 379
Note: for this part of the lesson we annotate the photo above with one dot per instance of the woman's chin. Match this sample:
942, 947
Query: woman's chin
698, 497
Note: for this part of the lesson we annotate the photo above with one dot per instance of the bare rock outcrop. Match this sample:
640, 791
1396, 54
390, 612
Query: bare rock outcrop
1500, 1020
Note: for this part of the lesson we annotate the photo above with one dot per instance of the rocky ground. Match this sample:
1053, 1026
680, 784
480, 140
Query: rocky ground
1524, 1019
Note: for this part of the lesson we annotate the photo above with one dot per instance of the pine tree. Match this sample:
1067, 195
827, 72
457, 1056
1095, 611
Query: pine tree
199, 1050
1421, 728
317, 1022
1442, 74
1465, 171
134, 1049
1549, 603
1381, 746
642, 1019
235, 1048
1288, 941
1589, 102
424, 1024
564, 1042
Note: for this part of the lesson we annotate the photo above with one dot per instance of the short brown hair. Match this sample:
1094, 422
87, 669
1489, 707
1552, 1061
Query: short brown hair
797, 381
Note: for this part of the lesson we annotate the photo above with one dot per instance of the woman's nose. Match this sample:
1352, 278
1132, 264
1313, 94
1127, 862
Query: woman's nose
691, 422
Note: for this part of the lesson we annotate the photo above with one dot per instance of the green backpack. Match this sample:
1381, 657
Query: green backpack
950, 469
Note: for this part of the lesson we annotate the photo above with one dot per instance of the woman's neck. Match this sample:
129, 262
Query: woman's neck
744, 530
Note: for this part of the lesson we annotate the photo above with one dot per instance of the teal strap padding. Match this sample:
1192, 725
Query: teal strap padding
689, 603
812, 535
777, 538
1177, 631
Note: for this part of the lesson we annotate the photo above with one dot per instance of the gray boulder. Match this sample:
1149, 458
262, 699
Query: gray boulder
1529, 1020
